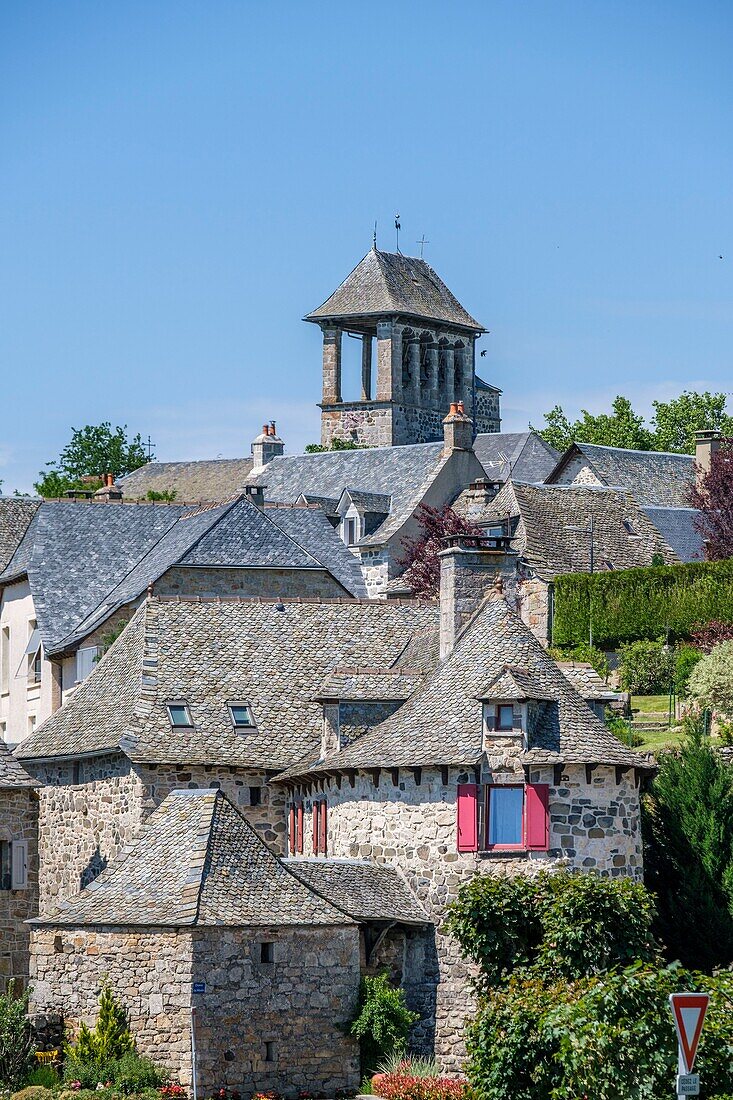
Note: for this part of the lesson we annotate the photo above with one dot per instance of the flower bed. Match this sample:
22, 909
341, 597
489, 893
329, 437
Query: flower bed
405, 1086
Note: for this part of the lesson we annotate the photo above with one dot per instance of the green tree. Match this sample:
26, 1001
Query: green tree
688, 833
382, 1022
711, 680
109, 1039
92, 452
675, 422
336, 445
16, 1050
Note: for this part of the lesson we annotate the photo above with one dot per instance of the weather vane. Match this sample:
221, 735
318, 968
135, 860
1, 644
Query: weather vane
397, 228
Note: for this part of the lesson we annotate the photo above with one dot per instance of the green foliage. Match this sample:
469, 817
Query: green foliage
413, 1064
561, 925
129, 1075
45, 1076
336, 445
383, 1020
109, 638
16, 1056
165, 495
108, 1041
33, 1092
624, 731
688, 832
632, 604
647, 668
672, 428
92, 451
586, 654
711, 681
685, 659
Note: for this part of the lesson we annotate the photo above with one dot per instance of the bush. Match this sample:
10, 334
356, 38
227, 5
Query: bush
711, 681
685, 659
33, 1092
383, 1020
586, 654
406, 1086
16, 1057
414, 1064
623, 729
46, 1076
132, 1074
647, 668
109, 1040
632, 604
563, 925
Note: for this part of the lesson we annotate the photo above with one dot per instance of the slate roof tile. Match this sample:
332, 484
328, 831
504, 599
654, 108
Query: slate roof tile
677, 526
586, 681
12, 773
365, 891
521, 455
310, 528
16, 514
203, 480
196, 862
652, 477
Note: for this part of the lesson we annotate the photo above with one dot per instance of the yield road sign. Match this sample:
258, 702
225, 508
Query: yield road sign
688, 1011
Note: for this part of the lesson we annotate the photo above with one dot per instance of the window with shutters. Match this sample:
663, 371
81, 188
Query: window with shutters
320, 828
13, 864
503, 817
295, 828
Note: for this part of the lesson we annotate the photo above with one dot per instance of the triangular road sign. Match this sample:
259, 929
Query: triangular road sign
688, 1011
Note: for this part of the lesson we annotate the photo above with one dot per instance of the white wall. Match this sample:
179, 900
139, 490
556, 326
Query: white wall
23, 704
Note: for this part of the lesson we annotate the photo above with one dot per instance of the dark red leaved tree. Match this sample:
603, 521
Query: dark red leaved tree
713, 497
712, 634
420, 559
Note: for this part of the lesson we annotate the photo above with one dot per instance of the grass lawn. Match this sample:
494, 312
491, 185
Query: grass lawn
656, 709
656, 740
650, 704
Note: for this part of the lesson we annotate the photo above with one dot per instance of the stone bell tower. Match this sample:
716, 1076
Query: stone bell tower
418, 355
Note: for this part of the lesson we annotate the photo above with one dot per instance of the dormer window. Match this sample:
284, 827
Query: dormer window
505, 716
179, 715
351, 530
241, 716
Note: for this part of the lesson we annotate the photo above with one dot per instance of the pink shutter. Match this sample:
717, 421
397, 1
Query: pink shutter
291, 828
316, 818
324, 830
300, 828
467, 817
537, 817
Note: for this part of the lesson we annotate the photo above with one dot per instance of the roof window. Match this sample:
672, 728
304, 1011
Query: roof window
241, 715
179, 714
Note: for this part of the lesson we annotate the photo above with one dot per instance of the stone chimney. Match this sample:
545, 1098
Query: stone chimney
108, 490
471, 568
706, 444
457, 429
255, 494
267, 445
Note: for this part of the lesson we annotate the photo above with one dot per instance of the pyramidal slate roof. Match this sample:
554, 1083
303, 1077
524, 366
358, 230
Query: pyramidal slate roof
272, 654
205, 479
16, 514
366, 891
653, 477
197, 863
441, 723
524, 456
549, 516
309, 527
12, 774
388, 283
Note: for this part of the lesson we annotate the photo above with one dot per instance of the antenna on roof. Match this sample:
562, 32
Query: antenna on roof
422, 242
374, 238
149, 448
397, 229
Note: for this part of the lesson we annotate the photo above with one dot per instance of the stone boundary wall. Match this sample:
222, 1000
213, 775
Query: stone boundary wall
189, 581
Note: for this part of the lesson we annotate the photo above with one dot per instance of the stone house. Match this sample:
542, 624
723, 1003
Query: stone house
18, 867
82, 567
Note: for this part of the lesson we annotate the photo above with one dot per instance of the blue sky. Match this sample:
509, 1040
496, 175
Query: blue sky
183, 181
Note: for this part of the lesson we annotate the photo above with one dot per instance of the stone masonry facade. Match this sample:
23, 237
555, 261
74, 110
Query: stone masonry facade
19, 822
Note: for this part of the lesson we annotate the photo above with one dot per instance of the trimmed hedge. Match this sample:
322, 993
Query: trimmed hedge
634, 604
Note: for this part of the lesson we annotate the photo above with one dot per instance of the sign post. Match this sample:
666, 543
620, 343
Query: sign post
688, 1013
197, 988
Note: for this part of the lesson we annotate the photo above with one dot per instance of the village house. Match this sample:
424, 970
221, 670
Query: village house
419, 742
18, 868
80, 568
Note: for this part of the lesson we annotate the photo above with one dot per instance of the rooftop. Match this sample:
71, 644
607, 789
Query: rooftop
652, 477
205, 479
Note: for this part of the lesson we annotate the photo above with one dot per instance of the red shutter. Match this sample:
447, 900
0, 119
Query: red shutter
323, 839
300, 828
291, 828
467, 817
537, 817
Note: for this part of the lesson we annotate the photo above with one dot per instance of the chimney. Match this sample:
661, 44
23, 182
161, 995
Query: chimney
471, 567
457, 429
266, 446
331, 729
255, 494
108, 490
706, 444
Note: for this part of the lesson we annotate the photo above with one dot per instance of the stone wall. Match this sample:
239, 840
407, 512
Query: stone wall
18, 822
375, 569
184, 580
259, 1025
594, 824
577, 472
488, 413
535, 605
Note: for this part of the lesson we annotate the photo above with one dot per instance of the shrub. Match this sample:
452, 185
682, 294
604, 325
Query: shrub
383, 1020
563, 925
414, 1065
132, 1074
46, 1076
406, 1086
687, 819
709, 635
647, 668
33, 1092
587, 654
631, 604
109, 1039
685, 659
420, 559
16, 1057
623, 729
711, 681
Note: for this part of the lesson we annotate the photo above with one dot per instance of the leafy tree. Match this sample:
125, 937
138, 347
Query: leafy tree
382, 1022
647, 668
166, 496
16, 1050
688, 833
711, 634
420, 559
676, 421
109, 1039
92, 452
711, 681
713, 496
336, 445
672, 428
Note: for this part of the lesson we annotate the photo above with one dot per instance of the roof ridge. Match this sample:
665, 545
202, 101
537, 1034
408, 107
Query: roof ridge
350, 600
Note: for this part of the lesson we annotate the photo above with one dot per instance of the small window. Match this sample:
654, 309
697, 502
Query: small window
6, 865
179, 714
241, 715
269, 1051
255, 796
267, 951
13, 865
351, 530
505, 817
505, 716
33, 653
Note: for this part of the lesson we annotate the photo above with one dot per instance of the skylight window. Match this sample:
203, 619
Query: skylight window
241, 715
179, 714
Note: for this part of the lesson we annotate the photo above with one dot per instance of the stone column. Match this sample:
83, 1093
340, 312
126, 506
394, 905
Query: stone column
389, 361
331, 365
414, 361
434, 392
450, 381
366, 368
56, 685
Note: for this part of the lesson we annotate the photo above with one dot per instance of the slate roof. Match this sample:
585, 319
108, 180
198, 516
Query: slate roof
309, 526
388, 283
207, 479
196, 863
356, 684
272, 654
586, 681
677, 526
16, 514
623, 535
514, 683
522, 455
13, 774
652, 477
365, 891
85, 560
441, 723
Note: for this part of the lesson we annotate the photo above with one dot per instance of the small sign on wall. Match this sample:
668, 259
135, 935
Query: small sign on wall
199, 987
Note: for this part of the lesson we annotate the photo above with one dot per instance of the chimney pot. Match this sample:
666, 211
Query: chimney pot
272, 428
